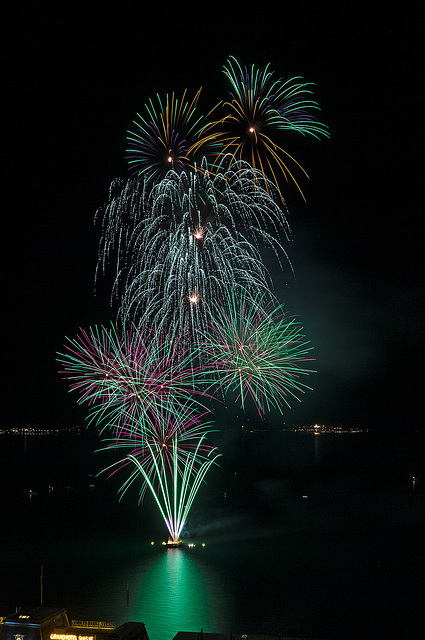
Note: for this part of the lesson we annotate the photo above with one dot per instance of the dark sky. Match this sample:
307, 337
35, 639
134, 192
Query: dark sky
75, 75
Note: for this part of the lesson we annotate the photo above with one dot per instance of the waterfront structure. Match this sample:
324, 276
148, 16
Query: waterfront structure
201, 635
48, 623
40, 431
321, 428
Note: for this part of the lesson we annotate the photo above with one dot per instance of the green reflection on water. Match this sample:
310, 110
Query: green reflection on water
171, 596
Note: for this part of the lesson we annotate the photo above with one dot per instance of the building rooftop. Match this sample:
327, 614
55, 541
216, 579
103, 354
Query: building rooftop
36, 615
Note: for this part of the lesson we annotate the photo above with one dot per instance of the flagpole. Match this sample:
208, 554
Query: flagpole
128, 597
41, 586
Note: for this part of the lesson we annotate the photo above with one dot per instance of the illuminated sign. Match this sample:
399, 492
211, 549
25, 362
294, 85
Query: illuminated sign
93, 624
69, 636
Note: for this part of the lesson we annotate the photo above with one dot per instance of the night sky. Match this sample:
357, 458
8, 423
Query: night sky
75, 76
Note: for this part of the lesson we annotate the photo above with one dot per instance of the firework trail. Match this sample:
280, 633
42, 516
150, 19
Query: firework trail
257, 351
261, 107
171, 459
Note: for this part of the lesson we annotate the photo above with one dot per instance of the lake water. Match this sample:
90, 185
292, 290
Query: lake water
314, 536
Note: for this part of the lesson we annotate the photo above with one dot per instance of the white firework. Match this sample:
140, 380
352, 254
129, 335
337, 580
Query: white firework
190, 239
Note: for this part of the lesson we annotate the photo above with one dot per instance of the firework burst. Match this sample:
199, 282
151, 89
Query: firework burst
194, 236
169, 135
257, 351
261, 107
131, 379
